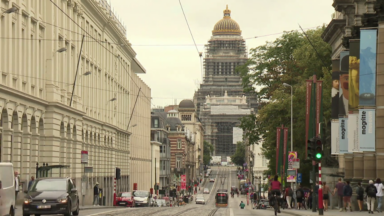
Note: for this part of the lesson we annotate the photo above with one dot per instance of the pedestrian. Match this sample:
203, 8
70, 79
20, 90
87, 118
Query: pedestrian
339, 192
242, 205
17, 182
325, 196
360, 196
299, 197
288, 196
371, 191
96, 194
310, 194
379, 194
30, 183
347, 193
316, 193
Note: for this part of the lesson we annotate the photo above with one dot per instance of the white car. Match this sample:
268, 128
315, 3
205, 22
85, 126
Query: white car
206, 191
7, 189
212, 180
141, 197
200, 200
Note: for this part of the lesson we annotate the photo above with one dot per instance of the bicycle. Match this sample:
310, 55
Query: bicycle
276, 202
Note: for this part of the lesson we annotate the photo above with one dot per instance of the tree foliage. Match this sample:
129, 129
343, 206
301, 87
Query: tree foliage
208, 149
239, 157
289, 59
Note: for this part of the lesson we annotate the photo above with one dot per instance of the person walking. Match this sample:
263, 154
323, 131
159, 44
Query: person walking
347, 193
360, 196
379, 194
288, 196
339, 192
30, 183
310, 198
371, 191
299, 197
325, 196
17, 185
96, 194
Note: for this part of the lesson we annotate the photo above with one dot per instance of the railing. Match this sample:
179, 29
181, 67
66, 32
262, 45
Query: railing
107, 6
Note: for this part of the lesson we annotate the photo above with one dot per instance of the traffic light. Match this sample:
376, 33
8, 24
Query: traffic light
118, 175
318, 149
311, 148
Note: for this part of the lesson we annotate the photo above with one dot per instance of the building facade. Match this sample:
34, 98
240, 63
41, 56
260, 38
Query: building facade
221, 117
41, 121
188, 116
225, 51
159, 136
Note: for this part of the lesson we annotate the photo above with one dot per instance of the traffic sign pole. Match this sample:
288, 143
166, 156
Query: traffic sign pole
321, 207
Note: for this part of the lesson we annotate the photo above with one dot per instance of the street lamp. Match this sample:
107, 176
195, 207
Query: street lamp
63, 49
10, 10
287, 85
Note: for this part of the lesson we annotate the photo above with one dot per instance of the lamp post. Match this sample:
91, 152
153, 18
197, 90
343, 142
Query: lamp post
287, 85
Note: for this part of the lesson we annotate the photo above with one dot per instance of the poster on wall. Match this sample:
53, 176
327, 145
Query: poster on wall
335, 88
343, 135
367, 77
367, 129
343, 84
354, 67
353, 137
335, 147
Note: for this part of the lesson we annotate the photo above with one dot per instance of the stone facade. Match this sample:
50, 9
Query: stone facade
225, 51
38, 124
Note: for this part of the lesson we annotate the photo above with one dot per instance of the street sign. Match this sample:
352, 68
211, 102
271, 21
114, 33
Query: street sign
299, 177
88, 169
296, 164
292, 156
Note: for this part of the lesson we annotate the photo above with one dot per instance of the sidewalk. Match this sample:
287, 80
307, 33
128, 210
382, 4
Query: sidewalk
332, 212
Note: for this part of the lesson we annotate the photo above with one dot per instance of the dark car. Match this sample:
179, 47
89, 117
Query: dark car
125, 199
51, 196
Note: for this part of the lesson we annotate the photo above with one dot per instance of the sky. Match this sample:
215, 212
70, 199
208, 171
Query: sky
159, 34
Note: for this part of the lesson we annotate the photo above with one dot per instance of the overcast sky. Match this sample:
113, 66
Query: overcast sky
160, 36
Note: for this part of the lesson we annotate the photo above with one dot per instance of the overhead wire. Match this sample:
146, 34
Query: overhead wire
186, 20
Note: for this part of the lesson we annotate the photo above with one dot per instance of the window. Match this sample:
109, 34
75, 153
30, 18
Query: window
156, 123
178, 162
163, 165
179, 144
186, 117
161, 149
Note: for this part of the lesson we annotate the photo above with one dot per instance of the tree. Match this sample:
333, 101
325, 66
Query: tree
239, 157
208, 149
289, 59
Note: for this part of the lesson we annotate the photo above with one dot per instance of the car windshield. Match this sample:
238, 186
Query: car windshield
141, 194
124, 194
49, 185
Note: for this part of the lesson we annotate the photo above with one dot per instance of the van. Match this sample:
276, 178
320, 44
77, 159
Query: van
7, 189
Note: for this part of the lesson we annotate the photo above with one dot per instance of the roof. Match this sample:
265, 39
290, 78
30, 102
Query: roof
185, 104
226, 26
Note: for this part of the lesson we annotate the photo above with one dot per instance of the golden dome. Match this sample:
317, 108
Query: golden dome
226, 26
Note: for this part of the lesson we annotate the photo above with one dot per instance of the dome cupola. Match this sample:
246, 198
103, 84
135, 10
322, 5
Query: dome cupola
226, 26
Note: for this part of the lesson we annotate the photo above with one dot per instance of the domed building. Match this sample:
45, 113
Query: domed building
220, 101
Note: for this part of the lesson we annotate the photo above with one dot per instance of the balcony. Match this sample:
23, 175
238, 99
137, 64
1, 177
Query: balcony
179, 170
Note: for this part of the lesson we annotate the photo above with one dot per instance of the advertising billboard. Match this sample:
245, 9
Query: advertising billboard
291, 175
335, 88
335, 147
183, 182
292, 156
353, 137
354, 67
367, 129
343, 84
343, 135
367, 77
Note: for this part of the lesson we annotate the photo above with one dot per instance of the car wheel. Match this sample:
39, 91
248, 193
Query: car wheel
77, 210
69, 212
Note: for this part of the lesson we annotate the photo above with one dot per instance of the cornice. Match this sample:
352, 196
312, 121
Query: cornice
332, 27
18, 94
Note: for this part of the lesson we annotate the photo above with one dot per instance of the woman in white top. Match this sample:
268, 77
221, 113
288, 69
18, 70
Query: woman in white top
379, 195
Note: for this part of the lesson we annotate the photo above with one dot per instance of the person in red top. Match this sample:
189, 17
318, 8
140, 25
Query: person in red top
275, 189
288, 195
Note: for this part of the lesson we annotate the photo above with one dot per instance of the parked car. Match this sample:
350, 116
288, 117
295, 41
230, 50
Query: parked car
141, 197
7, 189
206, 191
125, 199
211, 180
51, 196
200, 200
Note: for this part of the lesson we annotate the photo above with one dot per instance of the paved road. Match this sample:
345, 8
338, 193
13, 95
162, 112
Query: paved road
225, 177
